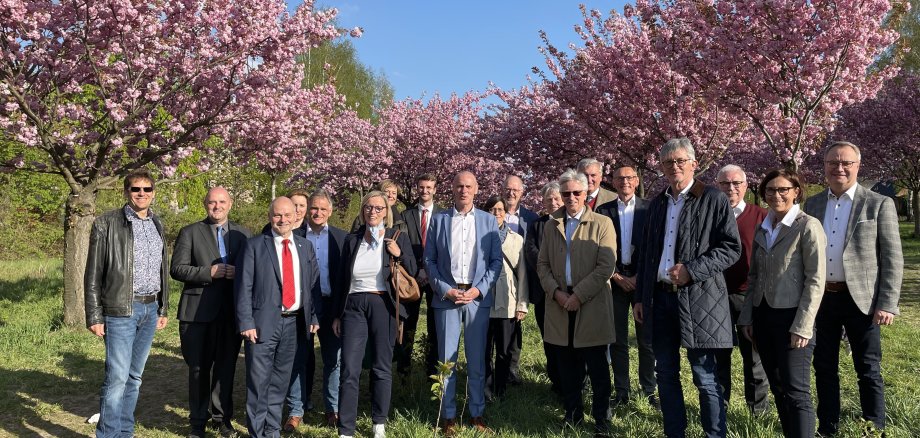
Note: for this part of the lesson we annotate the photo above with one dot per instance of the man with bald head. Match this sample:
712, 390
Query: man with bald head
276, 279
204, 260
463, 257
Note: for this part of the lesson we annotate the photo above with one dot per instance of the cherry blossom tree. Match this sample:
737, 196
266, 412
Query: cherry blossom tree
786, 65
887, 130
96, 89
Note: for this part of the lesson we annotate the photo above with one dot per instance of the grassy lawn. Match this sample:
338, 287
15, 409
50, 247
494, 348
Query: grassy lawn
50, 377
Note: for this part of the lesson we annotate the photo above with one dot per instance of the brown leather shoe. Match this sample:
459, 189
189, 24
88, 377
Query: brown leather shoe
332, 419
480, 425
449, 427
291, 424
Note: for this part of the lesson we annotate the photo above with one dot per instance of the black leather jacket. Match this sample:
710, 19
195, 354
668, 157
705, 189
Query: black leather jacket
108, 282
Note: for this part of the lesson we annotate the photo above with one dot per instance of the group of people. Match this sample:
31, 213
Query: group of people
695, 267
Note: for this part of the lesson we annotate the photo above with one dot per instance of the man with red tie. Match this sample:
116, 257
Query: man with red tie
417, 220
277, 280
597, 195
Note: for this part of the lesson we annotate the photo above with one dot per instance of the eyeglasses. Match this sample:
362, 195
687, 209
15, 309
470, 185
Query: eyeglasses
512, 190
782, 191
138, 189
572, 193
731, 183
679, 162
625, 178
845, 164
374, 208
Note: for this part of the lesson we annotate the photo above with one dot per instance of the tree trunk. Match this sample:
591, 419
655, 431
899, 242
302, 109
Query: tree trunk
915, 206
274, 184
79, 213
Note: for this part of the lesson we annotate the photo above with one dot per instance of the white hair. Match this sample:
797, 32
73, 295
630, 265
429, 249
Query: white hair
572, 175
587, 162
677, 143
732, 168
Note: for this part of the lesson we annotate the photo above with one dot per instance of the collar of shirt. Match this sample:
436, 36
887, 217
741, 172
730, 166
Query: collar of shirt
470, 213
593, 195
738, 209
851, 193
631, 202
277, 237
424, 207
788, 219
681, 195
325, 229
132, 215
577, 217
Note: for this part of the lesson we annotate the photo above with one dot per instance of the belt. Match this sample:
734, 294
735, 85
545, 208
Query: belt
374, 292
666, 286
145, 299
836, 286
626, 270
464, 286
292, 314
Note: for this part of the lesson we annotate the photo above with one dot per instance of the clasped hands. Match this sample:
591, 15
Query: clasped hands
567, 301
461, 297
223, 270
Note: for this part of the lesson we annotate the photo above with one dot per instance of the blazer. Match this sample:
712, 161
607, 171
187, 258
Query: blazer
531, 254
604, 196
413, 225
195, 251
872, 257
790, 274
336, 247
593, 260
640, 214
707, 244
488, 258
511, 291
257, 289
526, 217
350, 251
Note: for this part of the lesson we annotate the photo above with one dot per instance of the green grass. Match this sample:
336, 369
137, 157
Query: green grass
50, 377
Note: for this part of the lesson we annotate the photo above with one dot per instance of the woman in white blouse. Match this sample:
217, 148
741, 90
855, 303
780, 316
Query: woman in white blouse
366, 309
510, 305
785, 287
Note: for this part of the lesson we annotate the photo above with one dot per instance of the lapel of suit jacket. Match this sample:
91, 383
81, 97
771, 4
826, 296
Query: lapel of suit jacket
786, 231
269, 241
448, 220
302, 258
208, 235
760, 238
355, 244
859, 204
819, 208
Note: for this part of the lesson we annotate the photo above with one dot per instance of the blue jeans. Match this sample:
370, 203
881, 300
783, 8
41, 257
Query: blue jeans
666, 344
304, 365
127, 344
331, 350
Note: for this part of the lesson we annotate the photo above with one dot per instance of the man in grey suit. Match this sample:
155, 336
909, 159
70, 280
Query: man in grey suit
864, 272
594, 171
203, 260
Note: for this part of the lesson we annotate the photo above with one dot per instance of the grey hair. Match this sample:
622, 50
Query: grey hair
320, 193
548, 188
572, 175
583, 164
511, 175
674, 144
731, 168
837, 144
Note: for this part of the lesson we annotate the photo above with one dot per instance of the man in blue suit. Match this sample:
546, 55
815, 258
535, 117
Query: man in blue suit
275, 284
464, 257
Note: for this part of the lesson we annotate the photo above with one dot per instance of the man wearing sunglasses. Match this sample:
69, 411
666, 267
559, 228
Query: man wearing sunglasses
126, 296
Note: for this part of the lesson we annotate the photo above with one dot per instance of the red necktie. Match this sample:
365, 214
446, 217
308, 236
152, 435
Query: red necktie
591, 201
287, 276
424, 226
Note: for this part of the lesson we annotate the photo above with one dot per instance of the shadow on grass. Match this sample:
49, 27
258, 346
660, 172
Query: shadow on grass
31, 289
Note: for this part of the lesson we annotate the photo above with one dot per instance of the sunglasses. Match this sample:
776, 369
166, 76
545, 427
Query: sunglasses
572, 193
138, 189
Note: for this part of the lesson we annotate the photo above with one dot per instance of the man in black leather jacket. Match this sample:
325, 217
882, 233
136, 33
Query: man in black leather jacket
126, 298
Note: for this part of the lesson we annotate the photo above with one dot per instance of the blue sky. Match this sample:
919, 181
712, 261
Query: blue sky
432, 46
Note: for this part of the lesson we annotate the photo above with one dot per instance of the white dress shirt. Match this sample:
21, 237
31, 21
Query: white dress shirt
320, 243
513, 220
295, 258
738, 209
626, 212
571, 223
836, 218
668, 258
367, 274
427, 218
787, 221
462, 246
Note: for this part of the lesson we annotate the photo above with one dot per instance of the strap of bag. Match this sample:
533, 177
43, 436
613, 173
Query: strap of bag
394, 272
511, 265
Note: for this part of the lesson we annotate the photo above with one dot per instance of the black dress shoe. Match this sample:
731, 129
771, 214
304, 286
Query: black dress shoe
227, 431
619, 400
197, 434
653, 402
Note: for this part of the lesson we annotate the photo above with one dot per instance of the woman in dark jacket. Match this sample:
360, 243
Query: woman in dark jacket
366, 310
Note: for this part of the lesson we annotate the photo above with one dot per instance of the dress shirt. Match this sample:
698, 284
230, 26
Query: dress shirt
295, 257
320, 243
513, 220
367, 274
429, 208
626, 212
462, 246
787, 221
836, 218
148, 253
672, 224
571, 223
738, 209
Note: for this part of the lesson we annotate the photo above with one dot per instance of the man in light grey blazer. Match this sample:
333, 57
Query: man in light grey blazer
864, 272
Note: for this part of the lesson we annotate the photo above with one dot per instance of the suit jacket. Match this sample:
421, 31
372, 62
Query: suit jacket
593, 260
336, 245
790, 274
531, 253
488, 257
639, 218
511, 291
350, 251
604, 196
257, 290
195, 251
413, 225
872, 257
525, 217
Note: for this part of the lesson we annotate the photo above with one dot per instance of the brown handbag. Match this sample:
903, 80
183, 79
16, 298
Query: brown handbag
404, 287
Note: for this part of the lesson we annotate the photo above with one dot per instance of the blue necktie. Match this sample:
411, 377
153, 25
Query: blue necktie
220, 244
